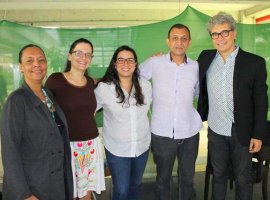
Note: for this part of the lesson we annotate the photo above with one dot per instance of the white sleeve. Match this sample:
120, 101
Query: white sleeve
149, 91
146, 69
197, 89
99, 96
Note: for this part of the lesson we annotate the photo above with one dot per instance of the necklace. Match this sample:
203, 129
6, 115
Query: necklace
81, 82
48, 102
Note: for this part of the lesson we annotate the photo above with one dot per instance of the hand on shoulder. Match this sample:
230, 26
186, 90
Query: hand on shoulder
158, 54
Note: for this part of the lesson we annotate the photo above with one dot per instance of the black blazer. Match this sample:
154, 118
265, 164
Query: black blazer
249, 93
36, 156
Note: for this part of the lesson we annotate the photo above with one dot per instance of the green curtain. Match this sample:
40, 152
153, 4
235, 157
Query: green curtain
145, 39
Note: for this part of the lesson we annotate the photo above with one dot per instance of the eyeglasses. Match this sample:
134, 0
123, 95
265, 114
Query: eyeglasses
129, 61
224, 33
81, 54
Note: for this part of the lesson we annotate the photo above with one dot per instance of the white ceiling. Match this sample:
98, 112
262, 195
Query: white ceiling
115, 13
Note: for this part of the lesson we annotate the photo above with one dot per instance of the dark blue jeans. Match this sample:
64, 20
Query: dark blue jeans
165, 151
126, 174
228, 156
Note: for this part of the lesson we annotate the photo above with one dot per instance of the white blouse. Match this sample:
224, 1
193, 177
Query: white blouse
126, 130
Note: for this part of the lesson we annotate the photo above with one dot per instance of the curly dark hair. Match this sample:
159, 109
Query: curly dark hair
111, 76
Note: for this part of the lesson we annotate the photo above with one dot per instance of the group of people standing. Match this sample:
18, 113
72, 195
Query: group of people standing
50, 142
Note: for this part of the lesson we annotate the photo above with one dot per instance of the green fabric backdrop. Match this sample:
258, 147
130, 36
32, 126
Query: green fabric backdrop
145, 39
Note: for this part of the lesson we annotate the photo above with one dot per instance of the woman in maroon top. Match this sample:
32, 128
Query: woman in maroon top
74, 91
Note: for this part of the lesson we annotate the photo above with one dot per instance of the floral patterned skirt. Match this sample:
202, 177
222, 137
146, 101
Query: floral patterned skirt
87, 167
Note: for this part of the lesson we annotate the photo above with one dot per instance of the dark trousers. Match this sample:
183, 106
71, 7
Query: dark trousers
228, 156
165, 151
126, 174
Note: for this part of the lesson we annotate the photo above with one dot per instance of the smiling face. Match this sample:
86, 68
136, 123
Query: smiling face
81, 57
178, 41
33, 65
125, 64
224, 44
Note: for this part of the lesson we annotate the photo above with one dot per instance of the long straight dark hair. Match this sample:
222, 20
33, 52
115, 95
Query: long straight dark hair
111, 76
72, 47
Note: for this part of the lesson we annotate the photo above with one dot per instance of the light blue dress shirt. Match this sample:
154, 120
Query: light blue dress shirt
220, 93
174, 89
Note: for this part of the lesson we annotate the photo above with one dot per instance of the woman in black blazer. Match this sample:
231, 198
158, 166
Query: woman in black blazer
34, 139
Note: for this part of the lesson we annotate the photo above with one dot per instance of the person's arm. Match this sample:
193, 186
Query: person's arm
99, 96
12, 129
197, 89
148, 91
260, 105
197, 85
146, 69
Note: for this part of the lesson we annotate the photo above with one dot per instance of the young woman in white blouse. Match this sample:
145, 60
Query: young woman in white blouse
125, 99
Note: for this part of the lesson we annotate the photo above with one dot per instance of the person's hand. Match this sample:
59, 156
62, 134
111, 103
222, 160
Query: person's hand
31, 198
95, 81
157, 54
255, 145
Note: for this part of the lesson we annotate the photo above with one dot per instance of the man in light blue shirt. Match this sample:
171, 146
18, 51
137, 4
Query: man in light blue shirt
175, 122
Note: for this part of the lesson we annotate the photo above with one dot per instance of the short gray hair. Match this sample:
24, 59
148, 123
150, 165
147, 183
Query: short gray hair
221, 18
